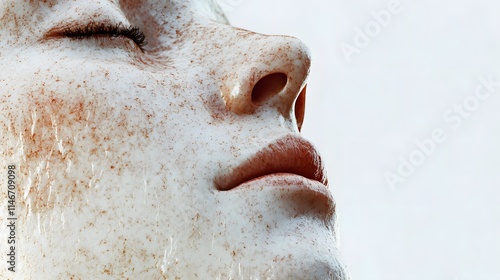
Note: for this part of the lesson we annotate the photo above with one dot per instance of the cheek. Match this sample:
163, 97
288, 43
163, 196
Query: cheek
66, 130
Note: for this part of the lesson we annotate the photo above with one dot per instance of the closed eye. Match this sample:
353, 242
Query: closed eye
96, 29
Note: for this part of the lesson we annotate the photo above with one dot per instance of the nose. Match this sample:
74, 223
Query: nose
270, 74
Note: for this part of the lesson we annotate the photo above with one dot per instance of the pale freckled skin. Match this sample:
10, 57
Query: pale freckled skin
120, 152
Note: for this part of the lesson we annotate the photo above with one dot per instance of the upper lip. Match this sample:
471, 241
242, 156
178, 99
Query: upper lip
290, 154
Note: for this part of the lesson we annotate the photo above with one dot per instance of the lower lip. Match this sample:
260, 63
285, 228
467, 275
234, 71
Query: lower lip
292, 183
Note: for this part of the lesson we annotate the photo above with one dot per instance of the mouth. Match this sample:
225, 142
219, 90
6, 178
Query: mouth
290, 156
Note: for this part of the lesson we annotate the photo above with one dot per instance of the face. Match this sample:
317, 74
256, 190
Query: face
181, 158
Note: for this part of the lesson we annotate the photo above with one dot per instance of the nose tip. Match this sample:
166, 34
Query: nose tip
271, 75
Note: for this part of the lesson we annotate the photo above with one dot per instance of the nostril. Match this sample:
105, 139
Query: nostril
300, 107
268, 86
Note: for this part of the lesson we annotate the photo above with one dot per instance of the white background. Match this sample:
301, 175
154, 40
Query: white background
443, 221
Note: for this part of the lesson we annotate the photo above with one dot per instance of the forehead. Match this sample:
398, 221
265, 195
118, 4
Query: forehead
159, 8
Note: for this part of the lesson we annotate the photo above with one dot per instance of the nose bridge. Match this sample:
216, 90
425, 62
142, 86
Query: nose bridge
267, 71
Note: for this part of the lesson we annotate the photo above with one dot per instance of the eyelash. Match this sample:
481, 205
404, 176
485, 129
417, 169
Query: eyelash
95, 29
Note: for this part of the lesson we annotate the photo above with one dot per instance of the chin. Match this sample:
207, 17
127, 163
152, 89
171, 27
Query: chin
289, 260
303, 262
268, 234
309, 269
